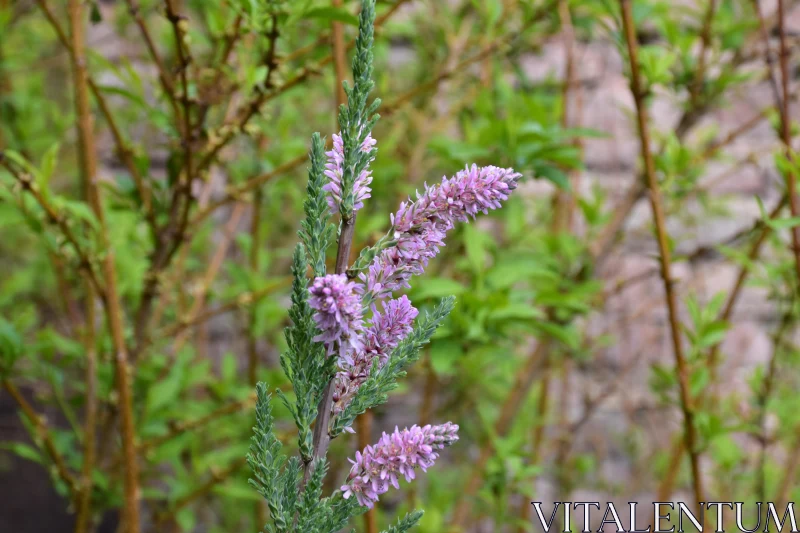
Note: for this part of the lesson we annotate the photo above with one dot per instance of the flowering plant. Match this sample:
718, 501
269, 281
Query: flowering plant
345, 351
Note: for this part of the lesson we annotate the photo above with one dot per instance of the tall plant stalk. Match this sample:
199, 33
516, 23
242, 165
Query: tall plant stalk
786, 135
690, 432
88, 164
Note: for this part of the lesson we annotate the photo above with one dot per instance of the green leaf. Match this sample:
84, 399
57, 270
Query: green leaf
23, 450
186, 518
78, 210
475, 244
516, 311
437, 288
444, 355
48, 166
713, 334
782, 223
699, 380
167, 391
337, 14
554, 175
10, 345
229, 368
95, 16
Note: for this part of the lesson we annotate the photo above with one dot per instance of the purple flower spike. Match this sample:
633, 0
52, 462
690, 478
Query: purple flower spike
382, 336
420, 227
395, 455
333, 170
338, 316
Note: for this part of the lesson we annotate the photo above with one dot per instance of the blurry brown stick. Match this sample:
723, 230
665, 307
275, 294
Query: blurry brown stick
164, 75
786, 136
678, 447
83, 518
664, 251
42, 434
565, 200
123, 149
762, 26
88, 162
698, 79
54, 217
782, 101
171, 236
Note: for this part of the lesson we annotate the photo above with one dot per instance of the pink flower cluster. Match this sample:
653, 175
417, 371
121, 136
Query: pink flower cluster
382, 336
334, 170
338, 315
420, 227
394, 455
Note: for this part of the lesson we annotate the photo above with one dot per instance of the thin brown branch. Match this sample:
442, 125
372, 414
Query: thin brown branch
43, 435
762, 26
698, 79
113, 307
564, 199
170, 237
321, 438
123, 149
88, 168
228, 44
83, 519
678, 448
164, 75
786, 135
55, 218
236, 193
664, 250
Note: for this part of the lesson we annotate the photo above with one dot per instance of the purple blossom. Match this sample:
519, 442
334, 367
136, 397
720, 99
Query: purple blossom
420, 227
334, 171
384, 333
338, 315
395, 455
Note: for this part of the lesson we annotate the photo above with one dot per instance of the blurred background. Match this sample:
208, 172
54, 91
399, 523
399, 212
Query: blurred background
150, 208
